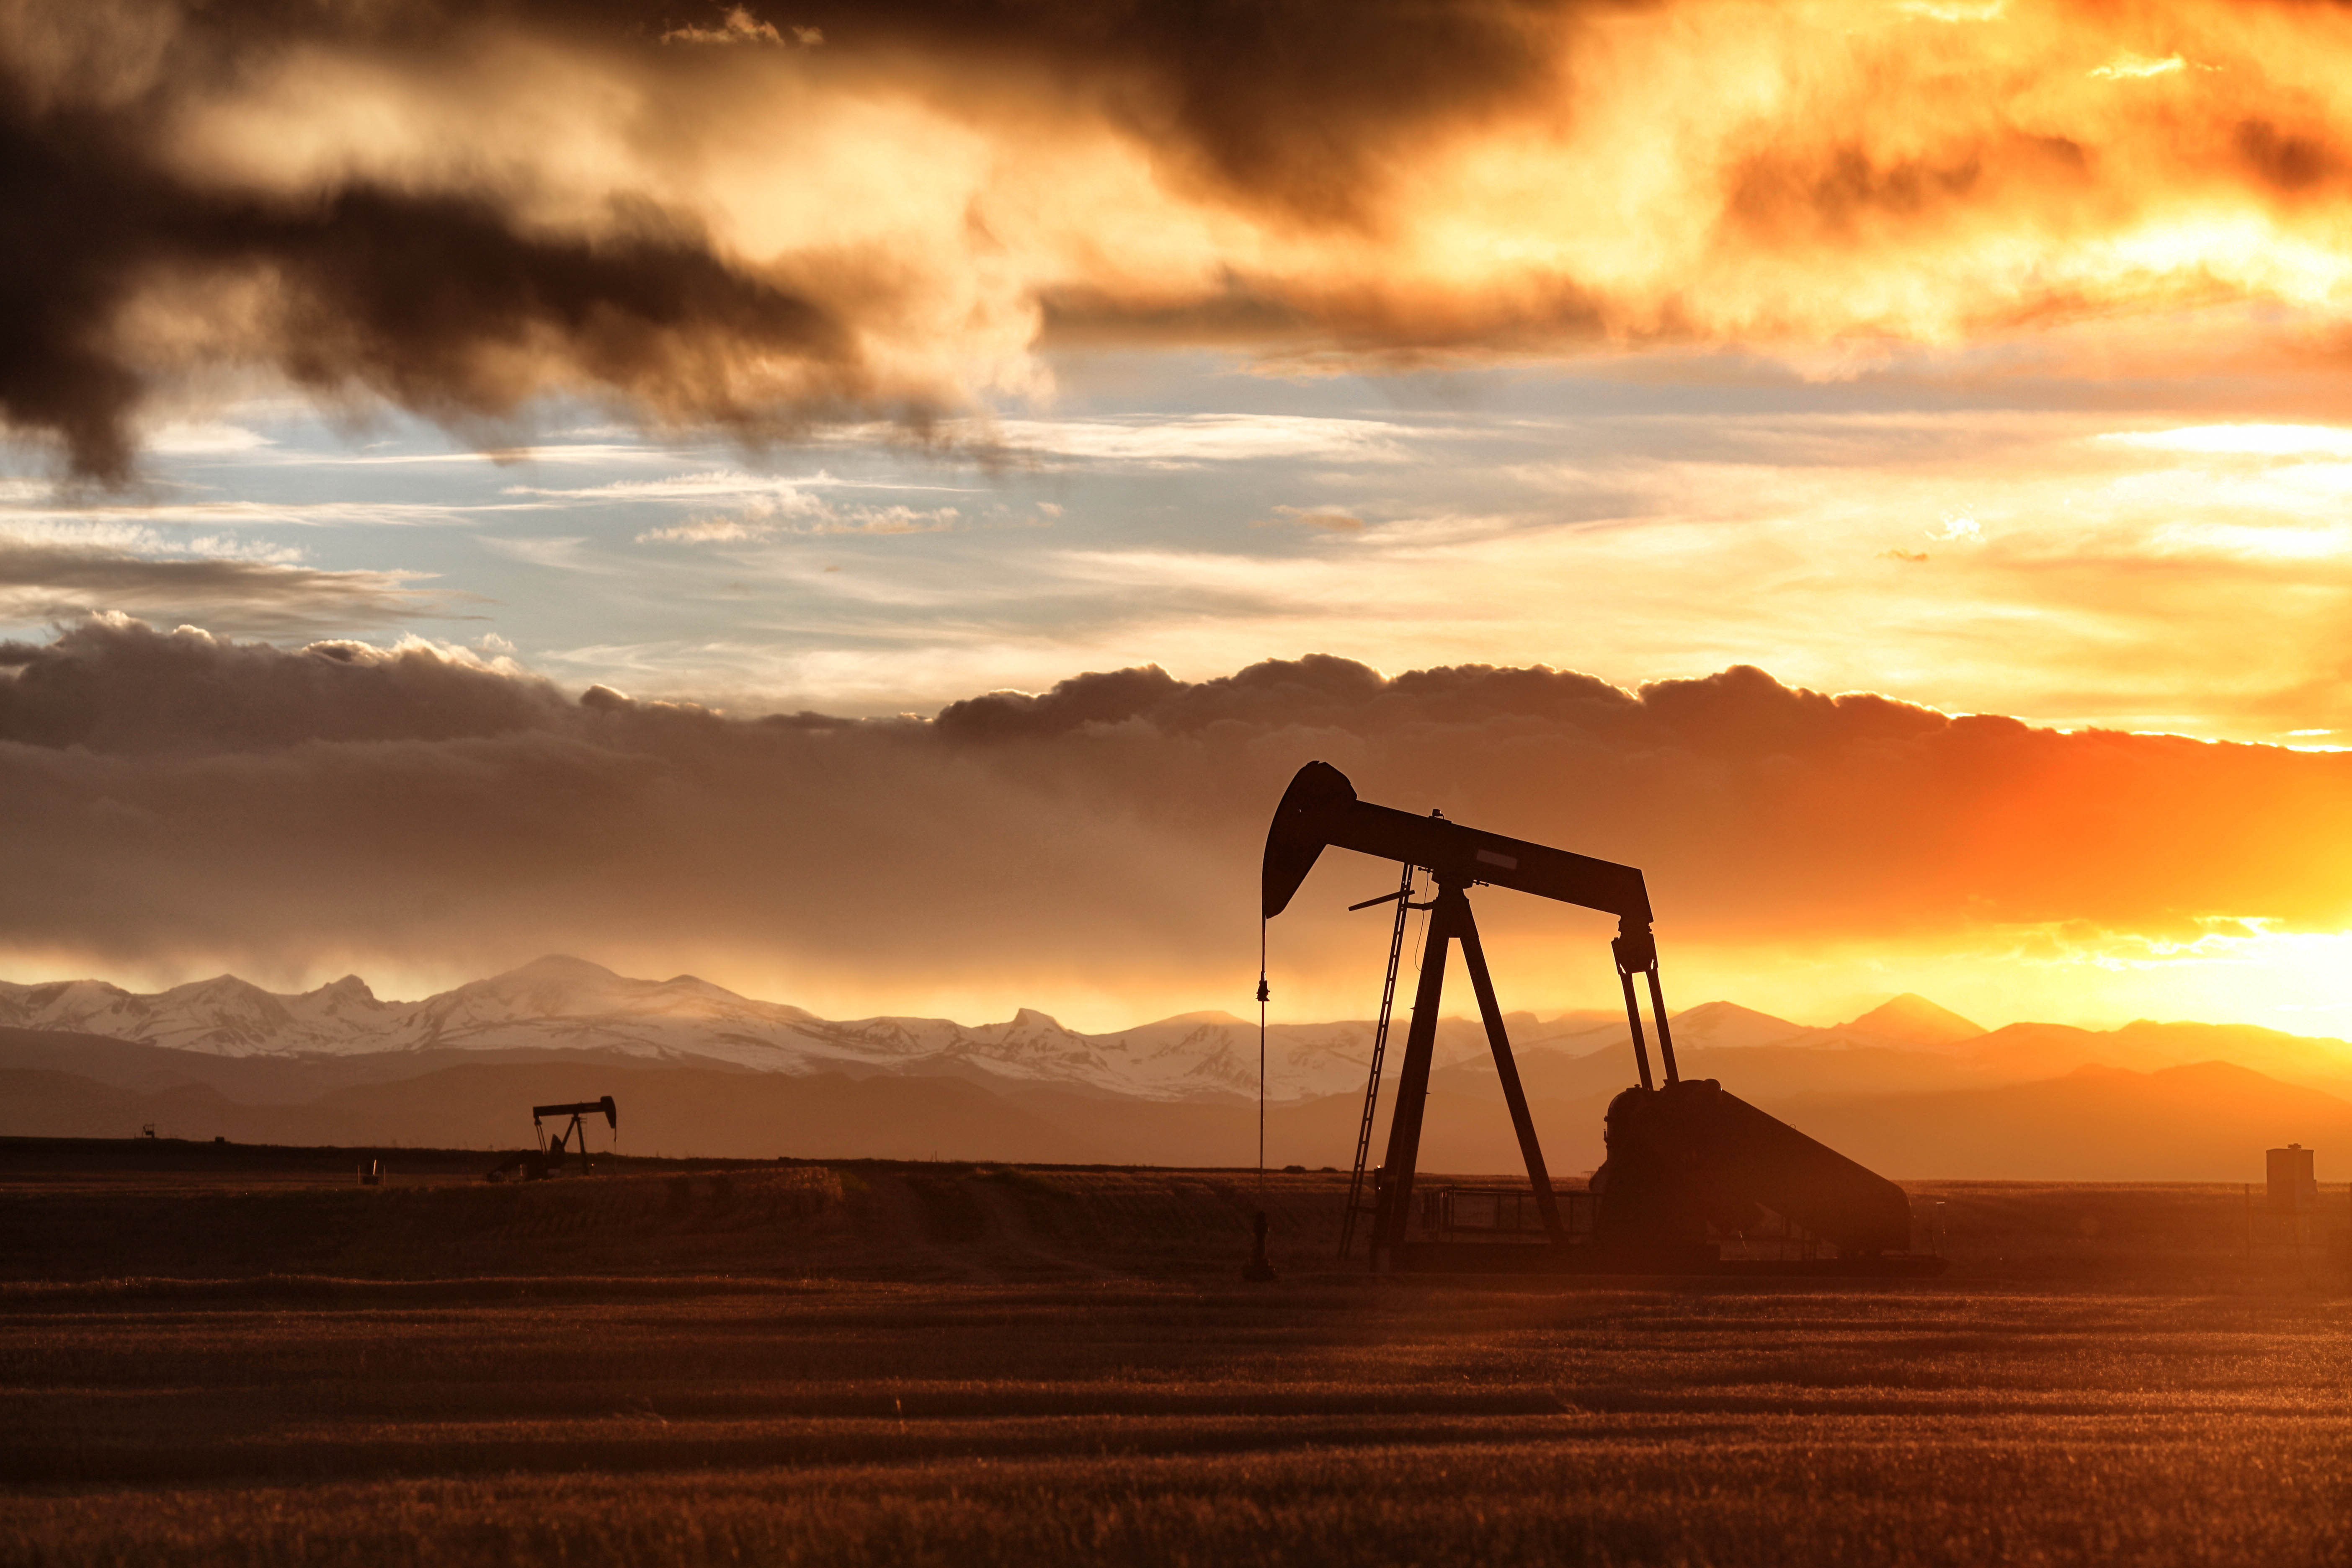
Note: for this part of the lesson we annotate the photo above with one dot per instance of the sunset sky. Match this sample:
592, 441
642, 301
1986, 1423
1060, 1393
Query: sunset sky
1541, 411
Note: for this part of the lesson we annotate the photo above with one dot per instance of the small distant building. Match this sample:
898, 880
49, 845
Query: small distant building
2293, 1189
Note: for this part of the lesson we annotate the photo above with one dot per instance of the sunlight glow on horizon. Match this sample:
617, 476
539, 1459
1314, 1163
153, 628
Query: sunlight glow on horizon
2290, 982
1981, 354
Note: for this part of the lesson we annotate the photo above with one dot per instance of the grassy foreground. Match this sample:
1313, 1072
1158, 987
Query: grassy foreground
1154, 1423
961, 1366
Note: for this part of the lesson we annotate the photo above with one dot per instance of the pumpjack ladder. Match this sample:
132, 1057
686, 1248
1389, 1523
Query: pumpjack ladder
1356, 1205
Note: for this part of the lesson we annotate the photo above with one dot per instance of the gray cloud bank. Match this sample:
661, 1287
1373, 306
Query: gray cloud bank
175, 796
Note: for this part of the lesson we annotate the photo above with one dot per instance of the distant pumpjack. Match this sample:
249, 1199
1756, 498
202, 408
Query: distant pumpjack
570, 1142
1682, 1156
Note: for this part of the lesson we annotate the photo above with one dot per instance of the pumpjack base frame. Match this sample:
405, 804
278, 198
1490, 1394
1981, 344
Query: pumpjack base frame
1693, 1262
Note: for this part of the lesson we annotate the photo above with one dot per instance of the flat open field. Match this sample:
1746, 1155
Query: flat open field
960, 1365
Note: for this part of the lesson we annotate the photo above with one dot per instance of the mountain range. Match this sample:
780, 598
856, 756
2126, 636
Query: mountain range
1909, 1086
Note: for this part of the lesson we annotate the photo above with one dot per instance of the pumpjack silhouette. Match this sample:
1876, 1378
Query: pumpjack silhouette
1690, 1166
569, 1143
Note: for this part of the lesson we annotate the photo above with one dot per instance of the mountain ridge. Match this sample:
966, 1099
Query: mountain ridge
565, 1003
2202, 1121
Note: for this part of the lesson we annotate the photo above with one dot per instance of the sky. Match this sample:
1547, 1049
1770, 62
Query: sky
548, 476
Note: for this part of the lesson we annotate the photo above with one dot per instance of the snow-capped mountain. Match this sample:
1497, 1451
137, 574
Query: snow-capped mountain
568, 1003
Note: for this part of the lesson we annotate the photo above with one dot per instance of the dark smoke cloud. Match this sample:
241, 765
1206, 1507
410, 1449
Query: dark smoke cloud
1287, 104
181, 797
452, 305
1290, 104
442, 304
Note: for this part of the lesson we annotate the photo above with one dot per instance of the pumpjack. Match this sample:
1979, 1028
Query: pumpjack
569, 1143
1689, 1165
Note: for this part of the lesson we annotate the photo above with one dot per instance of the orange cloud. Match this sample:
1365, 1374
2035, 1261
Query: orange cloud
888, 208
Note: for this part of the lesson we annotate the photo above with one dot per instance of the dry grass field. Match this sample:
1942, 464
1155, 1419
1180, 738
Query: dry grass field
951, 1364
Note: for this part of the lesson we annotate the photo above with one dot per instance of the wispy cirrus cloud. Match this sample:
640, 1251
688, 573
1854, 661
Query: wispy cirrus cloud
1186, 441
713, 484
758, 506
221, 583
209, 437
126, 537
807, 515
29, 500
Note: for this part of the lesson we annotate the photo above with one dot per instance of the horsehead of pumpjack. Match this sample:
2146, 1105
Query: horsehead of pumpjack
1682, 1156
